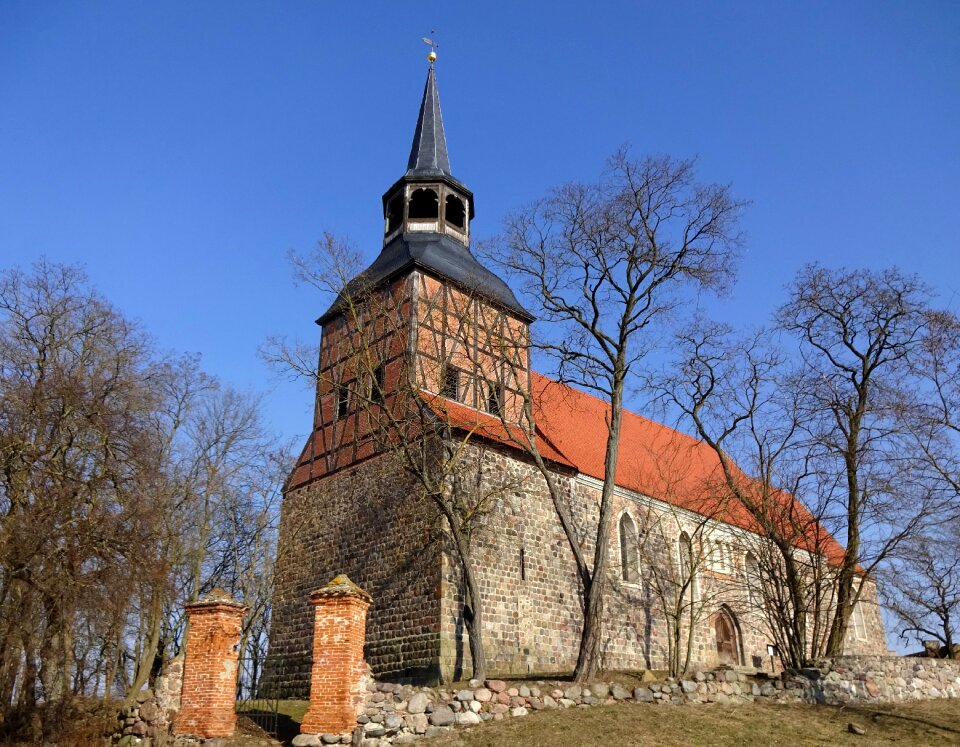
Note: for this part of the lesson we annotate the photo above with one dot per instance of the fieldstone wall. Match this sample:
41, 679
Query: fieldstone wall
532, 612
401, 714
531, 604
881, 679
368, 523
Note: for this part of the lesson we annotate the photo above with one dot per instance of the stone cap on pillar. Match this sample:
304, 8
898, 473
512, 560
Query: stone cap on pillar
341, 586
215, 598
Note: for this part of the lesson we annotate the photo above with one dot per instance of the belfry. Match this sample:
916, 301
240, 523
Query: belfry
427, 214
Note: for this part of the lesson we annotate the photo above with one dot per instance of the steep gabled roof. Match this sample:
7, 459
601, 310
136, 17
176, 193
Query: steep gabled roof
662, 463
654, 460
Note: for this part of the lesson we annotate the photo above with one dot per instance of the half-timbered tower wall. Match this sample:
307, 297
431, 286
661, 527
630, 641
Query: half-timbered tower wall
469, 350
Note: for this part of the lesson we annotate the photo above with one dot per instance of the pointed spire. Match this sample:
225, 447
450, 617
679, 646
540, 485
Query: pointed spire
428, 156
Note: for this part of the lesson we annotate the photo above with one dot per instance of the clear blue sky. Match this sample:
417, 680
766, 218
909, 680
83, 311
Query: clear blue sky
179, 149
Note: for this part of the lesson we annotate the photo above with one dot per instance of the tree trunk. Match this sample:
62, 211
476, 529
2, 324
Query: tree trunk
473, 620
588, 657
845, 595
149, 651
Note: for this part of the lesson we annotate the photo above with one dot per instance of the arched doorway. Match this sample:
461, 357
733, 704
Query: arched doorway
728, 639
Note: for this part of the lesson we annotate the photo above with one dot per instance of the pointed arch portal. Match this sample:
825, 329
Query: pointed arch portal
728, 637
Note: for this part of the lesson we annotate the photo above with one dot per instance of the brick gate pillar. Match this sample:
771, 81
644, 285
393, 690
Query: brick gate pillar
209, 691
337, 679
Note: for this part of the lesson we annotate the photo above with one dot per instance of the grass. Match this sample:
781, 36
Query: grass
638, 725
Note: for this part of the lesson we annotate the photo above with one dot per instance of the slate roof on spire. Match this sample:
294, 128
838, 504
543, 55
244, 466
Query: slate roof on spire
428, 156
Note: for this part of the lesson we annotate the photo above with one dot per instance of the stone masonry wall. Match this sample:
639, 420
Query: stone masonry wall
882, 679
532, 609
394, 714
364, 522
531, 613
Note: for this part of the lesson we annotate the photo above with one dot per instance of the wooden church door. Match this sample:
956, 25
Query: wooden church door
726, 640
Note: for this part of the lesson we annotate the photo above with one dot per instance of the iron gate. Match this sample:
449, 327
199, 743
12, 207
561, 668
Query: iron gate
258, 693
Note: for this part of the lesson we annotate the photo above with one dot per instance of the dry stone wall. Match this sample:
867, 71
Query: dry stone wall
882, 679
402, 714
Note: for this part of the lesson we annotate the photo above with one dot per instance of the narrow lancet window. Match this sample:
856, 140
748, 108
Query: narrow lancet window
629, 552
687, 582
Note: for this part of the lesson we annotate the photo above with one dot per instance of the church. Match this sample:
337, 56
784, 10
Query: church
428, 346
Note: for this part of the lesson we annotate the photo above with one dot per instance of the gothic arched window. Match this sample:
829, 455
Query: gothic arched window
688, 576
629, 551
752, 580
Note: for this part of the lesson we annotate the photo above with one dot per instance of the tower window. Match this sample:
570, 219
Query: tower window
451, 383
394, 214
494, 402
453, 211
342, 400
376, 385
424, 205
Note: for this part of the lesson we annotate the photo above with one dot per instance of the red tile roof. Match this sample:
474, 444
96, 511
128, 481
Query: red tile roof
654, 460
660, 462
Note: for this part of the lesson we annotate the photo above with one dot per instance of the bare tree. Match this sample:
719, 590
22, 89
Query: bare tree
677, 552
935, 416
858, 332
603, 262
740, 399
76, 466
100, 445
922, 587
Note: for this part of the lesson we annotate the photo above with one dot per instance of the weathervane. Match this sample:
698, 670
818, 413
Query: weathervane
433, 47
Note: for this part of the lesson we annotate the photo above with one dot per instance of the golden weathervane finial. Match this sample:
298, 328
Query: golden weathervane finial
433, 47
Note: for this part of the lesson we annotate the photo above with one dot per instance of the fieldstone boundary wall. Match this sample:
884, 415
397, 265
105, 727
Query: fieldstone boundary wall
880, 679
402, 714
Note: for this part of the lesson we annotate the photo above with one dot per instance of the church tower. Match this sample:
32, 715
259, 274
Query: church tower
425, 317
424, 329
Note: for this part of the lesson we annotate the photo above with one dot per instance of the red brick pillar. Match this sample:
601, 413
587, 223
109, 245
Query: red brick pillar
337, 679
210, 668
